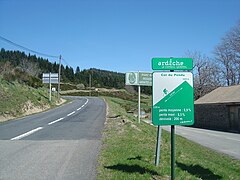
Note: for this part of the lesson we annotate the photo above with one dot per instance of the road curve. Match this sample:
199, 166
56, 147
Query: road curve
62, 143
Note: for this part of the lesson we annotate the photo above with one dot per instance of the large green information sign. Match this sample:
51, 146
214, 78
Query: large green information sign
172, 63
173, 101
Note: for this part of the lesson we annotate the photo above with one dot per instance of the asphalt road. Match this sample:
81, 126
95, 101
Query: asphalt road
62, 143
223, 142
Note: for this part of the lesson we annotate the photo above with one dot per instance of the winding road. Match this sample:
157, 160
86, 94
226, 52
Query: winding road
62, 143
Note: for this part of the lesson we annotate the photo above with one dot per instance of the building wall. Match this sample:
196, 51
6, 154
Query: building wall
212, 116
234, 117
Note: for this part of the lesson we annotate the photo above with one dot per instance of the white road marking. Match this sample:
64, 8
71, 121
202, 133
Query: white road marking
71, 113
39, 128
82, 105
27, 133
55, 121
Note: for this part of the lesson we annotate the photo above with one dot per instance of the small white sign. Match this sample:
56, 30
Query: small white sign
46, 79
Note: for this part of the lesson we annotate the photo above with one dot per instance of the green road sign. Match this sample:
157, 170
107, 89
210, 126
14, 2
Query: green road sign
145, 79
172, 63
138, 78
173, 101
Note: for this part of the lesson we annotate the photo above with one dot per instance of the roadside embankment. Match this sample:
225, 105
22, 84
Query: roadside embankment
17, 100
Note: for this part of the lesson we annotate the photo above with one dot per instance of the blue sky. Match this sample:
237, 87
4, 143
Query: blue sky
116, 35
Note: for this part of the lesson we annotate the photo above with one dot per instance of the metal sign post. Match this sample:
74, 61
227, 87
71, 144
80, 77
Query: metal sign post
138, 79
50, 88
158, 149
172, 151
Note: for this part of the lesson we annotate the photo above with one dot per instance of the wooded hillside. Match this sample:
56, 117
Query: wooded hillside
14, 62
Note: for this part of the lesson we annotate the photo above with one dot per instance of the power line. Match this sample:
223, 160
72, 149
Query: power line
30, 50
65, 62
27, 49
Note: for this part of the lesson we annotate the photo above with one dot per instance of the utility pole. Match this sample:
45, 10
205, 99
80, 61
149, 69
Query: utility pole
50, 88
139, 103
59, 76
90, 83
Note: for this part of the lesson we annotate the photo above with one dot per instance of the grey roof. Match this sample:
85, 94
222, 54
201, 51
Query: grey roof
230, 94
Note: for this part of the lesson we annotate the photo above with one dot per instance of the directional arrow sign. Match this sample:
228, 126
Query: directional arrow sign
173, 102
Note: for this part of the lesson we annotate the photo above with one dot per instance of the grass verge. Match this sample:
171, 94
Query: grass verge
17, 99
128, 152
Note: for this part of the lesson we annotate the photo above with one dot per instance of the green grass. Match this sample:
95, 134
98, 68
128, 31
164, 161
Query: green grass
128, 152
14, 96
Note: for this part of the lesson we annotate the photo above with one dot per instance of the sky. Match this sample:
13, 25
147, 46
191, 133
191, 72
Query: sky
116, 35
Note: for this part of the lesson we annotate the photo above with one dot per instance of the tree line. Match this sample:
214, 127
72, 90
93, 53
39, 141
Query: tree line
35, 66
16, 65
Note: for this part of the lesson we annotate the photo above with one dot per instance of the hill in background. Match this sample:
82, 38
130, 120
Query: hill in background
28, 69
22, 91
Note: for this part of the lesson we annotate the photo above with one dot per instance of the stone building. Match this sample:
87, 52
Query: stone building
219, 110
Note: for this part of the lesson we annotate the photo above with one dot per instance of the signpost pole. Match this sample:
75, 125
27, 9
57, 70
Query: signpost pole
59, 76
50, 87
157, 158
139, 103
172, 148
172, 151
138, 79
90, 84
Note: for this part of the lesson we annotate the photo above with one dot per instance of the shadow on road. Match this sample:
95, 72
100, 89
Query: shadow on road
131, 169
198, 171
